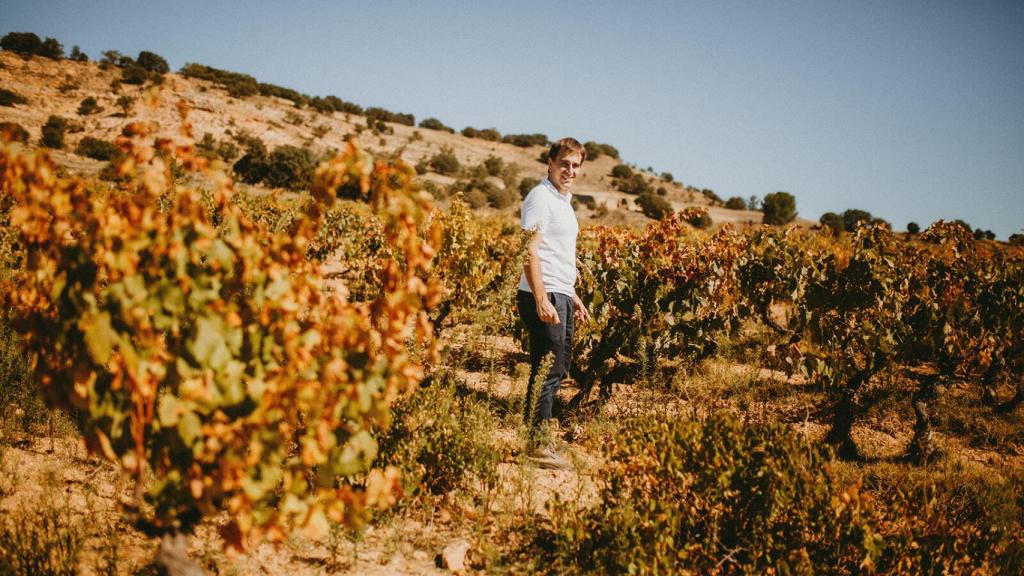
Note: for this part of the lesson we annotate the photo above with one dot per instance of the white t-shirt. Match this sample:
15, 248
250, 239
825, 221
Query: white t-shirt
550, 213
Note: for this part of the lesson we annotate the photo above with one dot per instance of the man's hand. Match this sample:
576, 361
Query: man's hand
546, 311
579, 310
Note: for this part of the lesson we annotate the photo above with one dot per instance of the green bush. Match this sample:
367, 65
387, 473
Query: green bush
293, 96
527, 184
134, 75
10, 98
211, 148
435, 124
500, 197
1015, 240
375, 114
97, 149
14, 132
237, 85
622, 171
833, 221
494, 165
699, 218
445, 162
736, 203
913, 228
290, 167
713, 497
854, 217
440, 440
636, 184
667, 177
77, 55
778, 208
654, 206
88, 106
476, 198
712, 198
53, 132
152, 63
526, 140
30, 44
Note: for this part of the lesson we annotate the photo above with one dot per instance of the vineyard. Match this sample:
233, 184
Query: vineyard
269, 383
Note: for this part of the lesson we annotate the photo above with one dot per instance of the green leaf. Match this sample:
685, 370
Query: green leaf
189, 428
100, 336
167, 410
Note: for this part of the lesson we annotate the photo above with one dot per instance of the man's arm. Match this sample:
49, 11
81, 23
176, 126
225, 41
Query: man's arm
545, 309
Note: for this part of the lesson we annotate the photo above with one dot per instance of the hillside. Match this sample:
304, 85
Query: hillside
57, 88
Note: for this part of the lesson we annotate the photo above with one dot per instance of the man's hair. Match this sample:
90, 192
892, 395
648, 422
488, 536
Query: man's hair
567, 146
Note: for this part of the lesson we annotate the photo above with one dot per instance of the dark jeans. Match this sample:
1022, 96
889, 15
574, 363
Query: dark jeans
546, 338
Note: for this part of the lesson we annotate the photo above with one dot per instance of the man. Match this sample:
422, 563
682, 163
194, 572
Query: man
548, 304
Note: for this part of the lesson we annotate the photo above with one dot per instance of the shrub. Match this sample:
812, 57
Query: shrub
698, 218
736, 203
853, 217
636, 184
290, 167
435, 124
13, 132
469, 132
439, 440
134, 75
753, 203
476, 199
779, 208
686, 495
661, 191
585, 200
711, 197
211, 148
88, 106
543, 157
445, 162
97, 149
489, 134
494, 165
1015, 240
667, 177
115, 58
527, 184
980, 234
913, 228
53, 132
29, 43
500, 197
832, 221
293, 96
237, 85
526, 140
654, 206
22, 42
622, 171
593, 149
152, 63
125, 103
10, 98
77, 55
376, 114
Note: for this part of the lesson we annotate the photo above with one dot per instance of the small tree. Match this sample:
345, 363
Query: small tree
53, 132
913, 228
736, 203
832, 221
97, 149
779, 208
622, 171
88, 106
853, 217
152, 63
125, 103
77, 55
527, 184
445, 162
10, 98
654, 206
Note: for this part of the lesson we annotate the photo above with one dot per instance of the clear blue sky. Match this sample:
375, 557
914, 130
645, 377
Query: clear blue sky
911, 110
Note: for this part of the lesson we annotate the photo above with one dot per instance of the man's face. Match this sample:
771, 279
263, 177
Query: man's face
562, 172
